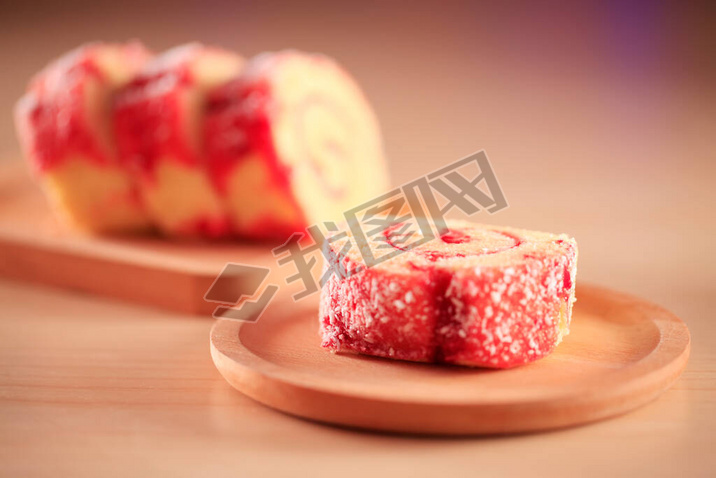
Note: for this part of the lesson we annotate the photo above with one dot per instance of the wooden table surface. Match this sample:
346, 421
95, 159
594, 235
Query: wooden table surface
91, 387
603, 130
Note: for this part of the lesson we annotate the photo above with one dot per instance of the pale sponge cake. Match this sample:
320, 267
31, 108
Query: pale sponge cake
477, 295
292, 142
158, 122
64, 126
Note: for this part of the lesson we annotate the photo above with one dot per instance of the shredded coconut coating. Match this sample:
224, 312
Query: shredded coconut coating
479, 296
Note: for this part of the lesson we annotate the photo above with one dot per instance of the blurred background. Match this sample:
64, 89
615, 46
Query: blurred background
598, 117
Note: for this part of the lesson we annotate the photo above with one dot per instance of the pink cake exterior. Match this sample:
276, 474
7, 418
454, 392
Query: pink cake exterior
54, 110
480, 296
63, 123
158, 121
291, 142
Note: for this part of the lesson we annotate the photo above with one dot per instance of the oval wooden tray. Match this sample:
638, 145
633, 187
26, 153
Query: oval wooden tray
622, 353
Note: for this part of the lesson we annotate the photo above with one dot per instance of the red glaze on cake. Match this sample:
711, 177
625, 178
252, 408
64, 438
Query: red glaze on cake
291, 142
158, 122
480, 295
63, 123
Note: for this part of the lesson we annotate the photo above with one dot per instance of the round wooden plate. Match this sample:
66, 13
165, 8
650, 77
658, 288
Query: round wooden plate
622, 352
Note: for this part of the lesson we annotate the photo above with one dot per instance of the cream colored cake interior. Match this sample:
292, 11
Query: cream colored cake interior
253, 196
326, 132
93, 197
182, 194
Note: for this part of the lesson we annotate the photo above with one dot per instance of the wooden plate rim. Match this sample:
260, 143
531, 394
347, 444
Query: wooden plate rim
634, 385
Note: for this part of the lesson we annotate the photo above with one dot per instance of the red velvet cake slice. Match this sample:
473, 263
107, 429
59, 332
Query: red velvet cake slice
479, 295
64, 125
158, 121
291, 142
